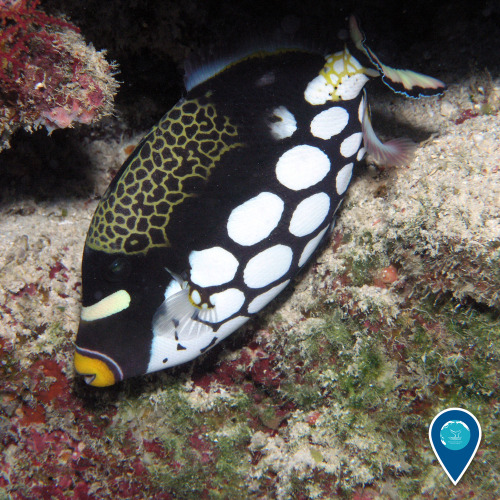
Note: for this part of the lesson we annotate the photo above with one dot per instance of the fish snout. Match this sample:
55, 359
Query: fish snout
97, 369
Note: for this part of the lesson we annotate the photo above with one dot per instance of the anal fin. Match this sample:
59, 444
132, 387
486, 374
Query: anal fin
394, 152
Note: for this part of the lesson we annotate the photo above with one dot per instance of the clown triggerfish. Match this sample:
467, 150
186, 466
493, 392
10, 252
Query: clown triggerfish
224, 201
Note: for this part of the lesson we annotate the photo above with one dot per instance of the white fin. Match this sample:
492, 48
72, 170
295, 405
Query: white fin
394, 152
180, 320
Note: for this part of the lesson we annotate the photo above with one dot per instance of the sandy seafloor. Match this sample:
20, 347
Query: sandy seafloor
329, 393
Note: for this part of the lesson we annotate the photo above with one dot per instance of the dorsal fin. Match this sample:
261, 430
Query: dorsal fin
200, 69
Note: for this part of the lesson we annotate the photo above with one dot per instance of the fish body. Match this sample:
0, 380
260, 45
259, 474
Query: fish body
220, 206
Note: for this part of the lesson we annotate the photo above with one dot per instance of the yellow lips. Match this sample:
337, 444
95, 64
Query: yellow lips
95, 371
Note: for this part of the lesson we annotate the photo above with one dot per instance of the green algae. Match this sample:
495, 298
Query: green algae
457, 367
203, 437
375, 377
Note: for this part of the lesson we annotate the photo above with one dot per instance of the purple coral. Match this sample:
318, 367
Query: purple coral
48, 75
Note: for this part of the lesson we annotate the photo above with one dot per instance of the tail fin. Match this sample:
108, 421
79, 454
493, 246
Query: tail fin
401, 81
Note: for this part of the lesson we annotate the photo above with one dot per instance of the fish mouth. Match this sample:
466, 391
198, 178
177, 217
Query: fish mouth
97, 369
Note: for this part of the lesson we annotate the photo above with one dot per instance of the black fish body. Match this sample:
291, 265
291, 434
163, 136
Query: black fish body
218, 208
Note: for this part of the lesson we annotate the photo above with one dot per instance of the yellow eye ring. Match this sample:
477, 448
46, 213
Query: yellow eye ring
195, 297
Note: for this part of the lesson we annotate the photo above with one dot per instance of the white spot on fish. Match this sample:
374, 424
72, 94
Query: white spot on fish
350, 86
351, 144
173, 288
266, 79
301, 167
213, 266
343, 178
230, 326
268, 266
264, 298
318, 91
165, 353
361, 153
286, 124
310, 247
329, 122
361, 109
254, 220
227, 303
309, 214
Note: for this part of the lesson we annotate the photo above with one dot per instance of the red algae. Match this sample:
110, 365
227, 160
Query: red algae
49, 77
56, 444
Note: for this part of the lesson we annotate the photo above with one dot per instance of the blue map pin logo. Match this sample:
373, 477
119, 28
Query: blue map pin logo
455, 435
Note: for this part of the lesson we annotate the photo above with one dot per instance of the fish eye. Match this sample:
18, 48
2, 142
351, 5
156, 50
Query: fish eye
118, 270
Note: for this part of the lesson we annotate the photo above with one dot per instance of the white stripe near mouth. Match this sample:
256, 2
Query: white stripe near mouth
108, 306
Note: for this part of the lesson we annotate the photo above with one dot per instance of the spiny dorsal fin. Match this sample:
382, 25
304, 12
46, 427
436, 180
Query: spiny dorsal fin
199, 69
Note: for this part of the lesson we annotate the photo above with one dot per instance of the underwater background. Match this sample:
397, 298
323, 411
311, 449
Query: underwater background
330, 391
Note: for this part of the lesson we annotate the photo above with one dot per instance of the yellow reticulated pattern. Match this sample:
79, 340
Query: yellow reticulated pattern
172, 165
338, 66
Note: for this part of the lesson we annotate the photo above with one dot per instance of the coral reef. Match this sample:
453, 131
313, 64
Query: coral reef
439, 218
329, 395
48, 75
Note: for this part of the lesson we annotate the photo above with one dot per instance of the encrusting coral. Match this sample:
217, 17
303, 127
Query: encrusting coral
49, 76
